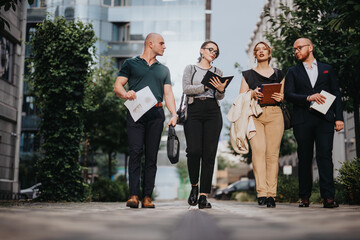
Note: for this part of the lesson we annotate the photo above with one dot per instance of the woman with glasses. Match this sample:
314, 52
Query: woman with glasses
265, 145
204, 122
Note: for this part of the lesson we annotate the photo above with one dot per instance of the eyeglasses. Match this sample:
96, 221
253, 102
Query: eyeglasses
300, 47
212, 50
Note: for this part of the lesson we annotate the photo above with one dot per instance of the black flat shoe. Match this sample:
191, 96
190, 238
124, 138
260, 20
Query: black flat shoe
193, 197
270, 202
203, 203
262, 200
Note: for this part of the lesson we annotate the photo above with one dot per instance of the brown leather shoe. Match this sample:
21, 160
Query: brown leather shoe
133, 201
304, 202
330, 203
146, 203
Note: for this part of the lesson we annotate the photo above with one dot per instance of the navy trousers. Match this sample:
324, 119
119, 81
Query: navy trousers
315, 129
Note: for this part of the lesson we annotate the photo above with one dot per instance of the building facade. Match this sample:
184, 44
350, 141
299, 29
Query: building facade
12, 50
344, 147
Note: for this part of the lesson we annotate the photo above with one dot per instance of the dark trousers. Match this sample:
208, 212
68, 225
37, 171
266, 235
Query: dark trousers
315, 129
202, 130
145, 132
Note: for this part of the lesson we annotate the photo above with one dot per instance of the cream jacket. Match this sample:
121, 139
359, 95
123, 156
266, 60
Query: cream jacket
242, 123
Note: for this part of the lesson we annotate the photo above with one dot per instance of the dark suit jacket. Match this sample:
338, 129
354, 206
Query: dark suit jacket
298, 88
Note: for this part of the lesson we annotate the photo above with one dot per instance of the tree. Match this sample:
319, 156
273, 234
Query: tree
347, 24
105, 117
60, 58
7, 5
333, 26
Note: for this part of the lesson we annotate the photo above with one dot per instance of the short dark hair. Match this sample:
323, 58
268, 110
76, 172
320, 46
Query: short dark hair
204, 45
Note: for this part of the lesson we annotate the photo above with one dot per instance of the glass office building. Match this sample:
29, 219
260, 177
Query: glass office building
122, 25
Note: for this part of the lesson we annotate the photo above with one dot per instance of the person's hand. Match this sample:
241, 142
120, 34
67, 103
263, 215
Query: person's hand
339, 125
131, 95
317, 97
215, 81
173, 120
256, 94
277, 97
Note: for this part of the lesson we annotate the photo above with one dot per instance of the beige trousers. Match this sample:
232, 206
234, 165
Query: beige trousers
265, 146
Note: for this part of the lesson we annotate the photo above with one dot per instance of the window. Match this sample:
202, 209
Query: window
6, 59
116, 3
29, 142
38, 4
121, 32
29, 107
107, 2
69, 13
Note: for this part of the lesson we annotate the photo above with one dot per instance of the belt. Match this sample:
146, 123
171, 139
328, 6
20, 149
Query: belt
202, 98
159, 104
271, 104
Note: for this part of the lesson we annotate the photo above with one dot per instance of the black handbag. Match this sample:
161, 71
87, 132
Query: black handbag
173, 145
182, 111
286, 115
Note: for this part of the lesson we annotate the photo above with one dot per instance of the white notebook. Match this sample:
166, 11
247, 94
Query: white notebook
323, 108
144, 100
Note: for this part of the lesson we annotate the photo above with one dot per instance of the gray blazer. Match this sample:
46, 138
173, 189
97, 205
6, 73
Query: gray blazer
193, 86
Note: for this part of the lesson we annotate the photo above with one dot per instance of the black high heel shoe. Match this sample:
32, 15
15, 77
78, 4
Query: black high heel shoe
262, 200
193, 197
270, 202
203, 203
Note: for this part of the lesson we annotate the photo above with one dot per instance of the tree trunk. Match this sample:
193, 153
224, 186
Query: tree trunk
109, 164
357, 126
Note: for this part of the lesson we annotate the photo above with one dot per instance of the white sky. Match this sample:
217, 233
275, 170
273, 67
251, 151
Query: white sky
232, 24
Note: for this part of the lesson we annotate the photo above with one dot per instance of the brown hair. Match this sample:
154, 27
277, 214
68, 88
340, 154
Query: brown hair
204, 45
267, 48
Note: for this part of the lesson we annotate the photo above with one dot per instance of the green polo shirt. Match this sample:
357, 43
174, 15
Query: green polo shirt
140, 74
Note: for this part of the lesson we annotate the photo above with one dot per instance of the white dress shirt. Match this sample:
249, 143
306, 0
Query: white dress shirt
312, 72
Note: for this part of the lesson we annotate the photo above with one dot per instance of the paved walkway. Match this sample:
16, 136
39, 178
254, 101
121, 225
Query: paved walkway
174, 220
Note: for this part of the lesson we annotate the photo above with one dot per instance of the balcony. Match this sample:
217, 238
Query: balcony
36, 15
125, 49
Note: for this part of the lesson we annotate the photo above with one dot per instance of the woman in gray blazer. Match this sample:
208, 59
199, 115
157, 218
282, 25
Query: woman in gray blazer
203, 125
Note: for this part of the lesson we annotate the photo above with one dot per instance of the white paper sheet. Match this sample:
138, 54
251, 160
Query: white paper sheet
144, 100
323, 108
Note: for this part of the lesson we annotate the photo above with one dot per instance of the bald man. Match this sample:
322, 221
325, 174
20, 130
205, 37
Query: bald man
303, 84
140, 72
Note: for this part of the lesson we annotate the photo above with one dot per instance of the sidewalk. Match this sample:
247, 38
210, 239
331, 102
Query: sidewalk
174, 220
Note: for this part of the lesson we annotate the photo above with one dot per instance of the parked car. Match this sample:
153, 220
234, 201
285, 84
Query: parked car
31, 192
244, 184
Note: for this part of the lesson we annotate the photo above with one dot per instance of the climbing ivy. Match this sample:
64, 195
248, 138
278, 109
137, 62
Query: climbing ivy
61, 57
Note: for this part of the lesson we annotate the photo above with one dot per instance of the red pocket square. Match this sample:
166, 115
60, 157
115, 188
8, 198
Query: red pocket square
326, 71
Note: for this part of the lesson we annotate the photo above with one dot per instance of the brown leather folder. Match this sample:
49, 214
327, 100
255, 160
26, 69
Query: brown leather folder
268, 90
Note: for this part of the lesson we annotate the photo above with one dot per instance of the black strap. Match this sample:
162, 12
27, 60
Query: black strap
192, 77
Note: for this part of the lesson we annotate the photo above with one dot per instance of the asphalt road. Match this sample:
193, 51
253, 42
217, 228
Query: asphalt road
175, 220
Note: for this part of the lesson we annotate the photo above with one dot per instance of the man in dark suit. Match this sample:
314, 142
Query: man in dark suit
303, 84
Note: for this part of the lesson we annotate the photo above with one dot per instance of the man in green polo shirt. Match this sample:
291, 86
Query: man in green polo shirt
140, 72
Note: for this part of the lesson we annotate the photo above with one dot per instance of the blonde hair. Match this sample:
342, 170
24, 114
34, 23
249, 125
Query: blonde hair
267, 48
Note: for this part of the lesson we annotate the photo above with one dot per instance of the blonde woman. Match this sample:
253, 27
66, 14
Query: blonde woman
269, 125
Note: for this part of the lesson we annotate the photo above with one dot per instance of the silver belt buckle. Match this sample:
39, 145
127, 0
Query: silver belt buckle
202, 98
